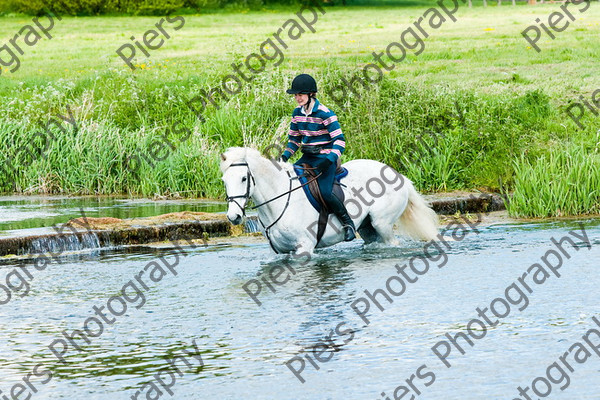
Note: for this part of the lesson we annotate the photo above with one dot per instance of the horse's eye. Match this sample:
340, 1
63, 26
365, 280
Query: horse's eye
244, 179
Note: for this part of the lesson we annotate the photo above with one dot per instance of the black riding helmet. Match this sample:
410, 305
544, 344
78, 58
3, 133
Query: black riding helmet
303, 83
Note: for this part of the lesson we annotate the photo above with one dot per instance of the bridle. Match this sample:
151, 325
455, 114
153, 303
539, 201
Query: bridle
246, 196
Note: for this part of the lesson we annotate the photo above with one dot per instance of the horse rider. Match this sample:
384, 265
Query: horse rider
315, 130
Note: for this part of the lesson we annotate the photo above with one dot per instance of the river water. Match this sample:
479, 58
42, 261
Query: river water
244, 347
23, 212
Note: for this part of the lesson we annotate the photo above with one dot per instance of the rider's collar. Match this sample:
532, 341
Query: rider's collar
315, 105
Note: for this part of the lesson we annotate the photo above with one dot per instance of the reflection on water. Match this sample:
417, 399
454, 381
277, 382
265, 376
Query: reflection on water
40, 211
244, 346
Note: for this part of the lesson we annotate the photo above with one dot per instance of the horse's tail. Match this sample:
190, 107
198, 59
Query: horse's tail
418, 220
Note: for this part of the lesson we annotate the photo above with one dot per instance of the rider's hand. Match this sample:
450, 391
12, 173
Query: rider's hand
323, 165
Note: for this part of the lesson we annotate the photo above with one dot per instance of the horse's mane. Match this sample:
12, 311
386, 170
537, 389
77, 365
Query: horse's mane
261, 165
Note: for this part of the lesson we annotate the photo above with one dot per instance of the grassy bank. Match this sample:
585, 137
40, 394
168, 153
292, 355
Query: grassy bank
477, 108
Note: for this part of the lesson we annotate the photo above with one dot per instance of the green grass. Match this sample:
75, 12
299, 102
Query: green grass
562, 182
511, 99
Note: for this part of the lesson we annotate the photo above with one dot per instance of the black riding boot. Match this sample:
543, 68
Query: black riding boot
338, 208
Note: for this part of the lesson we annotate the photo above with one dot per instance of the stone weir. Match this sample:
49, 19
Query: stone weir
95, 233
457, 202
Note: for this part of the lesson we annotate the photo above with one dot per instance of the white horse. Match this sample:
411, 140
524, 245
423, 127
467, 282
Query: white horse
375, 197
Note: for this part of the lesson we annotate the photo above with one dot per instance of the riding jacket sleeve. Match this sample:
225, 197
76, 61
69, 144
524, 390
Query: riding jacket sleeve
336, 135
293, 137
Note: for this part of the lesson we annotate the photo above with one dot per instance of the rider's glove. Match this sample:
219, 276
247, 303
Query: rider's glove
323, 165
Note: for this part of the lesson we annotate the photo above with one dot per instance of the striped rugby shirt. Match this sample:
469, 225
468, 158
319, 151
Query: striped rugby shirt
319, 128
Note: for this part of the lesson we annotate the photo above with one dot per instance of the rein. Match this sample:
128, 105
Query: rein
247, 196
289, 191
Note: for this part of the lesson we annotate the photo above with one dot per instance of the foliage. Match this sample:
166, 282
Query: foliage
127, 7
442, 138
563, 181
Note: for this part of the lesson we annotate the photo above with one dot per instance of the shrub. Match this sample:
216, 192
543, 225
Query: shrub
96, 7
131, 7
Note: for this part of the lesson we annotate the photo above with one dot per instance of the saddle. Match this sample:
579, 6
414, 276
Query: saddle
313, 193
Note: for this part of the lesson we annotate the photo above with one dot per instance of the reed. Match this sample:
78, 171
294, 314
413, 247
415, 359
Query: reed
559, 183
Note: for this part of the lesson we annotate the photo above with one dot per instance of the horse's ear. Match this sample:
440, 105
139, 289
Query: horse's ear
223, 157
